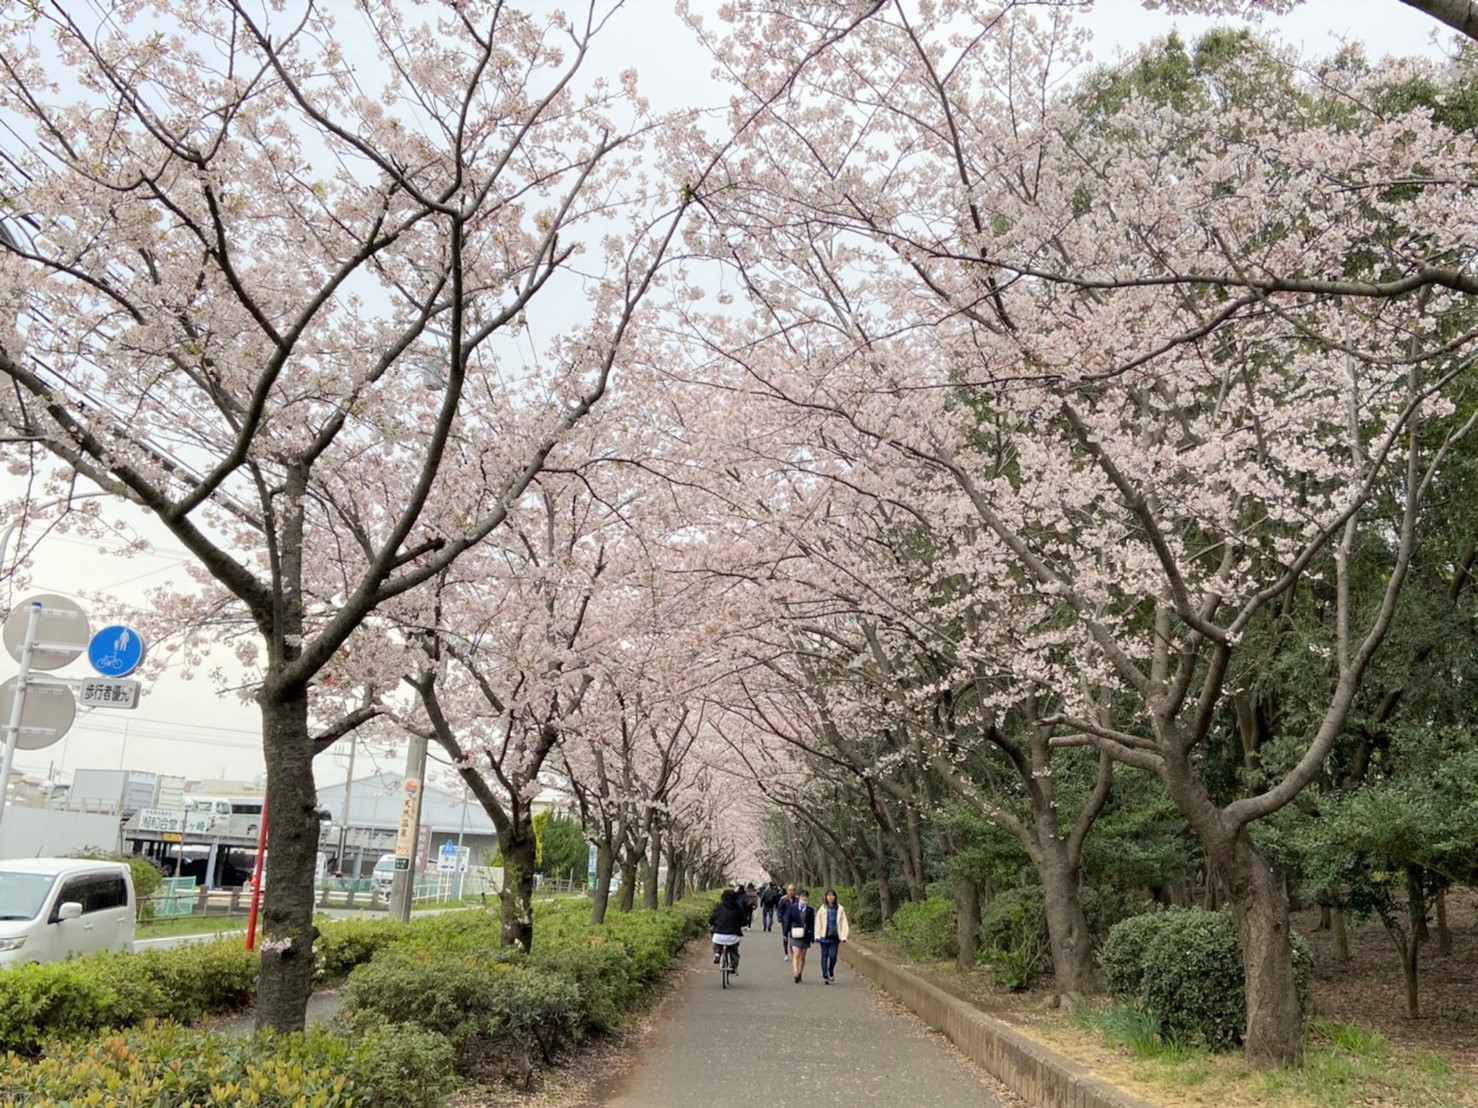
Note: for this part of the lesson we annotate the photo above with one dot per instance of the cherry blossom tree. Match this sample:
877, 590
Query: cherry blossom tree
1167, 356
279, 277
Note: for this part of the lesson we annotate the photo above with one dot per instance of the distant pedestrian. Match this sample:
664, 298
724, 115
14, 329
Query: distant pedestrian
769, 901
743, 899
787, 902
802, 927
831, 933
752, 895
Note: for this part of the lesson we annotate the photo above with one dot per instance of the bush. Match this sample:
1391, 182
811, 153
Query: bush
345, 944
115, 990
61, 998
1013, 937
167, 1064
1184, 968
494, 1013
926, 929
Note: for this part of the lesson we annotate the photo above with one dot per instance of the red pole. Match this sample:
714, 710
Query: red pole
256, 880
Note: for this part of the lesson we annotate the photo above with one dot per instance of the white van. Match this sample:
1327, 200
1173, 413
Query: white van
53, 908
383, 874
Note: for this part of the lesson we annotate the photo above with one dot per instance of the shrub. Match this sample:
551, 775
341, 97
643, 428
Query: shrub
494, 1013
114, 990
181, 984
1013, 937
167, 1064
1184, 967
345, 944
61, 998
926, 929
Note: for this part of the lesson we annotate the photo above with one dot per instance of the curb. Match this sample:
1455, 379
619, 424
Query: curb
1032, 1071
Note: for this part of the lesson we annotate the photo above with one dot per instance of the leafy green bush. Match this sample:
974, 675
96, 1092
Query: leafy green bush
1184, 967
926, 929
1013, 937
113, 990
60, 998
496, 1014
342, 945
181, 984
166, 1064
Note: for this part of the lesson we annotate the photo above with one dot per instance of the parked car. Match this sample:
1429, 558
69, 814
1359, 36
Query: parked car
53, 908
384, 873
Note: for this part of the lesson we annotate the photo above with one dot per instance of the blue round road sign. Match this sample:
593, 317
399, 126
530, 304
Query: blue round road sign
116, 651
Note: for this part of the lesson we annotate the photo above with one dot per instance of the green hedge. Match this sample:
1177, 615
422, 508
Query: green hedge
1183, 968
166, 1064
506, 1012
926, 929
67, 999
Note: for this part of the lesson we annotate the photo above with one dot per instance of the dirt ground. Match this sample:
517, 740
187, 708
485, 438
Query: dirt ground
1367, 990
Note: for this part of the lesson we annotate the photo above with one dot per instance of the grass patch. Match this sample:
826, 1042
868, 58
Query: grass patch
189, 925
1344, 1064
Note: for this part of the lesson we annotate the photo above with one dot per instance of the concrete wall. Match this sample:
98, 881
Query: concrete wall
47, 833
1040, 1076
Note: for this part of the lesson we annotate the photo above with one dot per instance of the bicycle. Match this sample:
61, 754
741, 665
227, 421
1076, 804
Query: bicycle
725, 963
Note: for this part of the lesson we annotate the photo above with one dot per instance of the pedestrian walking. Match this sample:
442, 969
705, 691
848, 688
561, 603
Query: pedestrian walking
787, 902
802, 928
831, 933
769, 901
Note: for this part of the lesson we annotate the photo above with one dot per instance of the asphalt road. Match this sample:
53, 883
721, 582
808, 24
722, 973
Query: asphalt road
770, 1041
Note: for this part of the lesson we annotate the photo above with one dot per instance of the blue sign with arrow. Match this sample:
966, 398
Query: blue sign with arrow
116, 651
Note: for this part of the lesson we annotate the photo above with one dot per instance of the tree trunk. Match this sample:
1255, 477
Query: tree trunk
1444, 936
914, 871
601, 894
1073, 971
1326, 916
654, 867
628, 884
967, 923
285, 978
1340, 934
1260, 907
520, 849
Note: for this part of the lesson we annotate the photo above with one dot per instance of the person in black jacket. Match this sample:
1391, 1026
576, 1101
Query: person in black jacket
769, 900
727, 922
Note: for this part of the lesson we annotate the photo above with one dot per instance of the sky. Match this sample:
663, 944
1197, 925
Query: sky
186, 726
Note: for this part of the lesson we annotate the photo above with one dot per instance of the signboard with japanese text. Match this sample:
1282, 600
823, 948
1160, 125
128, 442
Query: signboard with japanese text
103, 692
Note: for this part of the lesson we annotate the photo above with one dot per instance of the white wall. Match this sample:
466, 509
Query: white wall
46, 833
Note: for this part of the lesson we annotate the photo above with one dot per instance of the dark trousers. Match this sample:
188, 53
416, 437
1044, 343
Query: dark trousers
767, 916
733, 954
829, 948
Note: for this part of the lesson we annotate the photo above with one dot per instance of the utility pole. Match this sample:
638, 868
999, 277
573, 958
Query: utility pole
408, 835
344, 814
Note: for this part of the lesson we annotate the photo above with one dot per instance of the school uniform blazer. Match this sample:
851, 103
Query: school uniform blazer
819, 931
802, 915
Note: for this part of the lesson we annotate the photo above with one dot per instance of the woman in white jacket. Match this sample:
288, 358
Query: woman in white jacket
831, 933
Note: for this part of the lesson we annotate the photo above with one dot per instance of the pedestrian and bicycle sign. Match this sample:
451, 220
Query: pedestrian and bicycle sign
116, 651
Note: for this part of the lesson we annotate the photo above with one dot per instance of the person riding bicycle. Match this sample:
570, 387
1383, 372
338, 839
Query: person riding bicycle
727, 922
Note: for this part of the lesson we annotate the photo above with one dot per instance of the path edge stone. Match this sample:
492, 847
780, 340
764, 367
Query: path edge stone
1032, 1071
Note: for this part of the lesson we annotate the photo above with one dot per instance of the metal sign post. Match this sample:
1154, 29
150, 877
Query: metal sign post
18, 705
44, 632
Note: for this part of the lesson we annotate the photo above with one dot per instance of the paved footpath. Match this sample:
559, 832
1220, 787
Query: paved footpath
767, 1040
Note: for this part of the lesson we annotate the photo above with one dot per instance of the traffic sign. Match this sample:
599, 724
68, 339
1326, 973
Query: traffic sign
116, 651
48, 713
446, 857
61, 632
107, 692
